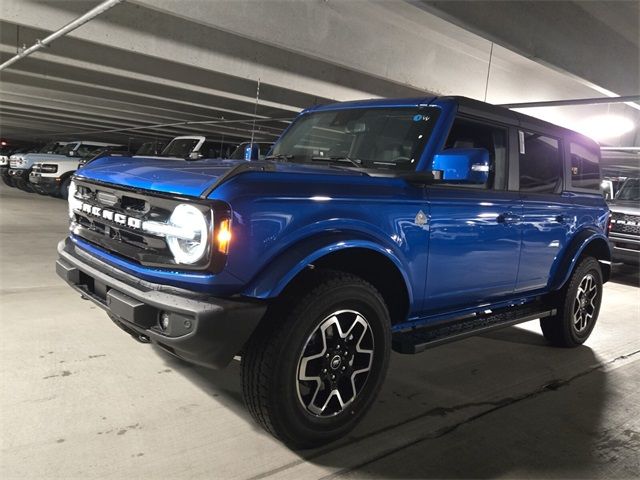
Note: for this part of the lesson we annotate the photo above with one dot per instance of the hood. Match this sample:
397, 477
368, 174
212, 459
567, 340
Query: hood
160, 174
627, 207
191, 178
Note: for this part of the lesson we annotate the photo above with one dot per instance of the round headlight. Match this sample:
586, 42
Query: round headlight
190, 244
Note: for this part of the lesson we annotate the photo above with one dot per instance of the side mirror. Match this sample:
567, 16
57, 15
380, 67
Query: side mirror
195, 155
71, 153
465, 165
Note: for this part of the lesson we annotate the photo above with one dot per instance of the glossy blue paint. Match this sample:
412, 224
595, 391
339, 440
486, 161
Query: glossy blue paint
179, 177
315, 216
473, 252
478, 248
221, 284
470, 165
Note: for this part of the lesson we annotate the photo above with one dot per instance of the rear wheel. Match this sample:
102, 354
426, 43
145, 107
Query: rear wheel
314, 366
578, 308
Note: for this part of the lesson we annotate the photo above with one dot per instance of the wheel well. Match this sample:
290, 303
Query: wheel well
66, 175
599, 249
372, 267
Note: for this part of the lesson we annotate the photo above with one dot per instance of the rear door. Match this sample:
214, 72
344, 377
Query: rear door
546, 217
474, 241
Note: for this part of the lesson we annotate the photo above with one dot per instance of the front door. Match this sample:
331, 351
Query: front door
474, 230
474, 247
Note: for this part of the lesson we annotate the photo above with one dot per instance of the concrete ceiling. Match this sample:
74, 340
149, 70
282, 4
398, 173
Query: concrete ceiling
147, 67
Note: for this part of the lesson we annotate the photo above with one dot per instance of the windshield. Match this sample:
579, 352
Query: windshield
180, 147
150, 148
65, 149
630, 190
372, 138
49, 147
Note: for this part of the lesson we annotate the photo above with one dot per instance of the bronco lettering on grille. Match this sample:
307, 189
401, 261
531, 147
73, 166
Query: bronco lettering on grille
111, 216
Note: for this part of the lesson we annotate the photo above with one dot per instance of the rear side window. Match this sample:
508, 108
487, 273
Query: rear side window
585, 168
540, 163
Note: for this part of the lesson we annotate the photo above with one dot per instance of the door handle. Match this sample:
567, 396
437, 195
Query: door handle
561, 219
508, 218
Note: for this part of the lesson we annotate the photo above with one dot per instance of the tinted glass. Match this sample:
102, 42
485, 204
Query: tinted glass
540, 164
87, 151
465, 134
630, 190
180, 148
150, 148
65, 149
373, 138
239, 152
49, 147
585, 168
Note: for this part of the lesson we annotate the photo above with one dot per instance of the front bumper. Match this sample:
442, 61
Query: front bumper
48, 185
20, 177
204, 330
625, 248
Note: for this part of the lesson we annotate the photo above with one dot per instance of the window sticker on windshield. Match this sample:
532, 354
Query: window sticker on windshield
418, 118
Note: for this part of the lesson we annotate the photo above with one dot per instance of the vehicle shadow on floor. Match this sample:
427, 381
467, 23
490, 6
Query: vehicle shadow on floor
542, 430
626, 275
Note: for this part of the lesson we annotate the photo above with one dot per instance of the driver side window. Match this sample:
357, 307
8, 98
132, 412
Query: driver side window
467, 134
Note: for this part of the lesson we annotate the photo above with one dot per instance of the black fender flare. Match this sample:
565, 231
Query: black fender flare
588, 240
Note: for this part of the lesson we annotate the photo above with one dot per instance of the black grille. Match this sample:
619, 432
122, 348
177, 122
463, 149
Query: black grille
623, 223
125, 240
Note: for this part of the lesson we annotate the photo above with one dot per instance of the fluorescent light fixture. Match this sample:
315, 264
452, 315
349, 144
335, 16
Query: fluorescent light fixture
605, 127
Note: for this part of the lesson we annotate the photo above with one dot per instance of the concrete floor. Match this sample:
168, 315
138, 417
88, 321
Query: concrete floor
80, 399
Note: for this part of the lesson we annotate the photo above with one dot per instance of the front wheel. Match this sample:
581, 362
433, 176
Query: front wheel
314, 366
578, 309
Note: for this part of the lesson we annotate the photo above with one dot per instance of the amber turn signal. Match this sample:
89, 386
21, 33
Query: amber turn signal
224, 236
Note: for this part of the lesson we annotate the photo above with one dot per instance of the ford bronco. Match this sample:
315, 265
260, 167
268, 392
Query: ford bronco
58, 163
371, 226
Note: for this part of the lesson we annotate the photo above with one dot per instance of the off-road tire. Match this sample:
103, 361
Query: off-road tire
273, 355
561, 329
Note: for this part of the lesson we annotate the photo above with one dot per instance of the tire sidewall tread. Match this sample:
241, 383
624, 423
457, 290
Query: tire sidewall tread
272, 354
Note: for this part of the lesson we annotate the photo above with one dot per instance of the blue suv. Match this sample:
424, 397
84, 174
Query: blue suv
370, 226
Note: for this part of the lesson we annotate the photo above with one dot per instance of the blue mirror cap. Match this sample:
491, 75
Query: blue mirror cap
470, 165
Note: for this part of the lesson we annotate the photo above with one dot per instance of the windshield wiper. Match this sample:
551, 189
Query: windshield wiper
354, 162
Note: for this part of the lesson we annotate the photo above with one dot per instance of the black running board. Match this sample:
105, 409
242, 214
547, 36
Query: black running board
420, 339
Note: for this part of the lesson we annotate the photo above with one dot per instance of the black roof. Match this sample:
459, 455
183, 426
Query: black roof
526, 122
